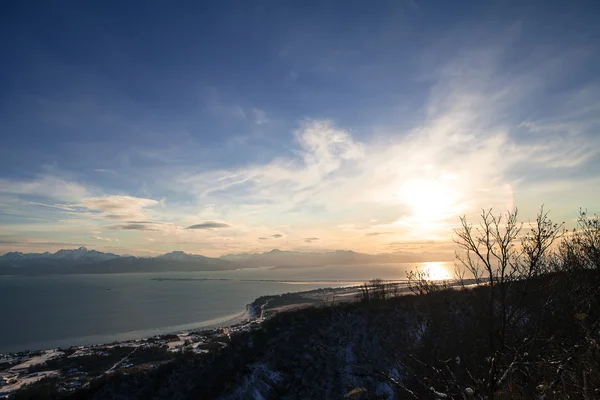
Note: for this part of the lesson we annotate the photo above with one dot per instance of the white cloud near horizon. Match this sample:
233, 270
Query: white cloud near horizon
119, 207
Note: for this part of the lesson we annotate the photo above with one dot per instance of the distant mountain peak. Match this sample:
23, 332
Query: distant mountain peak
179, 255
175, 253
81, 254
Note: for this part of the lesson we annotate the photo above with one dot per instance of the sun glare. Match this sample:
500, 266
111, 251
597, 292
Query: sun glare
436, 271
431, 201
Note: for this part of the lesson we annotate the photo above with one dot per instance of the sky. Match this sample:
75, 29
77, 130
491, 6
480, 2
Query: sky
242, 126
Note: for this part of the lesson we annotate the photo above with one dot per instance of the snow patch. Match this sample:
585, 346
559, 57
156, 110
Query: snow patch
26, 380
41, 359
258, 384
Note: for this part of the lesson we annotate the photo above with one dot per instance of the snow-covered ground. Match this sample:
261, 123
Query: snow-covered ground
26, 380
41, 359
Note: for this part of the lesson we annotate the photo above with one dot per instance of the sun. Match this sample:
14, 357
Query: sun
431, 201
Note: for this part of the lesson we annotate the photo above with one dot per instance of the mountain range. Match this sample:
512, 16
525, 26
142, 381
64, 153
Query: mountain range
294, 259
82, 260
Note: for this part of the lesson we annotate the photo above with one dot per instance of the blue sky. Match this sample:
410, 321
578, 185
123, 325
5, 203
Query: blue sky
292, 125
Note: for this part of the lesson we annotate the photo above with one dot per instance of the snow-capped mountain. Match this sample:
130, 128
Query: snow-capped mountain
80, 254
82, 260
83, 254
17, 255
295, 259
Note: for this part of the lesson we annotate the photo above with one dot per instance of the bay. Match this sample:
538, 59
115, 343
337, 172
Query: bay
64, 310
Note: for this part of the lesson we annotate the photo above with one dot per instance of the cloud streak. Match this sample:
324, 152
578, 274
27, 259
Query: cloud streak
209, 225
118, 207
311, 239
138, 226
105, 239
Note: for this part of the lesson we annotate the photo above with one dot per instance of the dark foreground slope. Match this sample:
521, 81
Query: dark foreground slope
444, 344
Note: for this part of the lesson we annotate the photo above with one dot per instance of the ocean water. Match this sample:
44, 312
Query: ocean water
51, 311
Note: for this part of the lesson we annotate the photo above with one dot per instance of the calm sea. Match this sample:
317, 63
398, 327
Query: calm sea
52, 311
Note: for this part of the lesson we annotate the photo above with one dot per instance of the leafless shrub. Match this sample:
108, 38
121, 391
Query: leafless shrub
581, 249
376, 289
420, 282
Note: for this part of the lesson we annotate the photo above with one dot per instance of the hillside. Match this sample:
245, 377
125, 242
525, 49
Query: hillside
429, 346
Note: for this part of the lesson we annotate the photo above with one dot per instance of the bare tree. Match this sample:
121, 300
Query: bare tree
496, 255
364, 292
378, 289
375, 289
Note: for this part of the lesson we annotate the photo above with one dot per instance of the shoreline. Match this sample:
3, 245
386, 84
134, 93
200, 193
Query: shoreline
76, 366
227, 321
27, 367
221, 322
124, 337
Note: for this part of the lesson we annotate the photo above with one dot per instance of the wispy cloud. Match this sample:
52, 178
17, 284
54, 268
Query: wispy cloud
105, 239
485, 133
468, 151
45, 186
260, 116
118, 207
217, 104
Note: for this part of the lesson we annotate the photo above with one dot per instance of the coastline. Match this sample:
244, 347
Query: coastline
74, 366
95, 340
223, 321
50, 311
23, 368
292, 300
